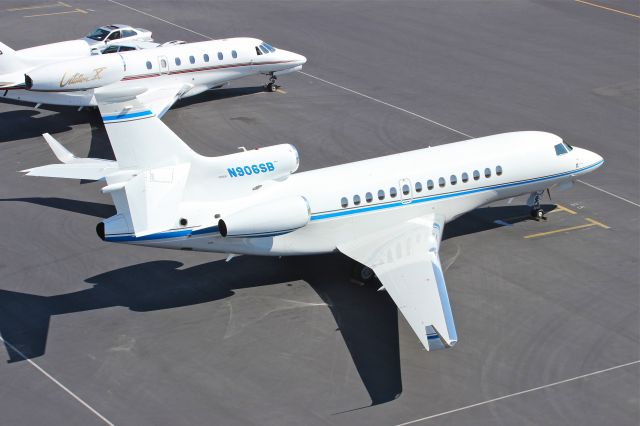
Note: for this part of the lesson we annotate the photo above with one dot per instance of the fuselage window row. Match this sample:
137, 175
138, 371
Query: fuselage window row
393, 192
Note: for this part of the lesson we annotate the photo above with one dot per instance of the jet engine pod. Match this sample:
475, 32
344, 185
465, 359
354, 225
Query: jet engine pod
267, 220
275, 162
79, 74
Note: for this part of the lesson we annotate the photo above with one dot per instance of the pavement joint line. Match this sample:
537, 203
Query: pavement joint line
511, 395
608, 8
57, 382
353, 91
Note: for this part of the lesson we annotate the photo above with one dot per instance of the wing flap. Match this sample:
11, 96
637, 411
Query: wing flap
405, 260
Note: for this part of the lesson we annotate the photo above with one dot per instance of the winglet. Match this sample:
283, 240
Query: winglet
62, 153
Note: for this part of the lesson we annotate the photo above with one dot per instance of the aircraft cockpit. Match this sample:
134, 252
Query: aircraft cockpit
264, 49
563, 148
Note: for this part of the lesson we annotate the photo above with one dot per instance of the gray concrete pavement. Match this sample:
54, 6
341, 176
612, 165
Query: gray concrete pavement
147, 336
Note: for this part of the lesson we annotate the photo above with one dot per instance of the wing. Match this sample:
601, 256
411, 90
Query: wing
161, 99
405, 259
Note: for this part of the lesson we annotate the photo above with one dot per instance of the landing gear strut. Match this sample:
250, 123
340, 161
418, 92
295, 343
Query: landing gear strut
272, 86
536, 211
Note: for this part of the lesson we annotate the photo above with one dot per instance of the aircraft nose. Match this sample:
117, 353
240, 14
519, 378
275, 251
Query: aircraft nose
299, 59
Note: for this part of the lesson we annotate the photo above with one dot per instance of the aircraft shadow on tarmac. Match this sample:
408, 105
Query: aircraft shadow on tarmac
367, 319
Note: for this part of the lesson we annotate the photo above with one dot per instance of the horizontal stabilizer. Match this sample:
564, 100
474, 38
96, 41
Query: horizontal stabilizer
72, 167
88, 171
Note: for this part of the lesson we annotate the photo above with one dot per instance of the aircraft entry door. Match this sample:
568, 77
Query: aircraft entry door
163, 63
406, 192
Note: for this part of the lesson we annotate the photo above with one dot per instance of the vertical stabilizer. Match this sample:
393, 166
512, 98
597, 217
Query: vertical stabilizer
139, 139
9, 61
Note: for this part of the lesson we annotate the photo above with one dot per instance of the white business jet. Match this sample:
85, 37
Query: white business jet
387, 213
157, 76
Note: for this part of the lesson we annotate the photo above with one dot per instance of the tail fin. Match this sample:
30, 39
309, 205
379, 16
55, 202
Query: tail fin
139, 139
9, 61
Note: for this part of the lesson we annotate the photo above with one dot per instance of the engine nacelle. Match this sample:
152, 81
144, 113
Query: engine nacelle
267, 220
256, 165
79, 74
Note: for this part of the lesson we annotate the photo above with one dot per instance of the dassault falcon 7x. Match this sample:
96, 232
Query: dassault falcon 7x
157, 76
386, 213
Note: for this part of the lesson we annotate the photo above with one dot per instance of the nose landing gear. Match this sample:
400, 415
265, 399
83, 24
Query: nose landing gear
536, 210
272, 86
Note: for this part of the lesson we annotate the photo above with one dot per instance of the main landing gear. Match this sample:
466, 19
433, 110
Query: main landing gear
272, 86
361, 274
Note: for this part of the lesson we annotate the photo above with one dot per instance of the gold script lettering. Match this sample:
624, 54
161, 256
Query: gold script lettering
78, 78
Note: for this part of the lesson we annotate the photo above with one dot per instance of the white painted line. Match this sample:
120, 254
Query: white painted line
159, 19
354, 92
466, 407
387, 104
60, 385
607, 192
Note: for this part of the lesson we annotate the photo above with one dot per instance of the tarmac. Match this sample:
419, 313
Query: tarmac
547, 313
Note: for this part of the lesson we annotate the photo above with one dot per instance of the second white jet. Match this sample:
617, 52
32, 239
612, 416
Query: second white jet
158, 77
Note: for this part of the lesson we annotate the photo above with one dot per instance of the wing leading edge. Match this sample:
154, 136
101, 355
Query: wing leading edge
405, 260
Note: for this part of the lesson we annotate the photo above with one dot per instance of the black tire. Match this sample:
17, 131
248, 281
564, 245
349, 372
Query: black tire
271, 87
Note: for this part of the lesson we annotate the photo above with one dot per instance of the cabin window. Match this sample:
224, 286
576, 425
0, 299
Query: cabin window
453, 179
220, 56
264, 49
429, 184
178, 61
205, 57
498, 170
476, 175
356, 199
149, 66
441, 182
560, 149
393, 192
381, 195
465, 177
234, 54
405, 189
418, 187
368, 197
258, 51
163, 63
192, 59
487, 172
344, 202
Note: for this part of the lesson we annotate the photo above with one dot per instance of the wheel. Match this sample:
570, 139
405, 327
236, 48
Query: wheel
361, 274
271, 87
540, 214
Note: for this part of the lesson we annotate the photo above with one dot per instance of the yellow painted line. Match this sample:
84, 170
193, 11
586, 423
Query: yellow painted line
600, 224
57, 13
591, 223
560, 208
608, 8
39, 6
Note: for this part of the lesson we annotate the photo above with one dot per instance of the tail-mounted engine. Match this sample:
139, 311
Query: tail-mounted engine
268, 219
78, 74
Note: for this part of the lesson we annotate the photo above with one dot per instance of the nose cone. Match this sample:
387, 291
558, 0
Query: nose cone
293, 58
587, 160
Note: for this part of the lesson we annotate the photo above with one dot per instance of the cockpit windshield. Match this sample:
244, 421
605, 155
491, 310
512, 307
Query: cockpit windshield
99, 34
560, 149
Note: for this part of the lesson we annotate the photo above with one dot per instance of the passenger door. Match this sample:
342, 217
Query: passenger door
406, 192
163, 64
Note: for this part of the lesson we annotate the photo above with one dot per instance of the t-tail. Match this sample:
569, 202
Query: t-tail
12, 69
155, 173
